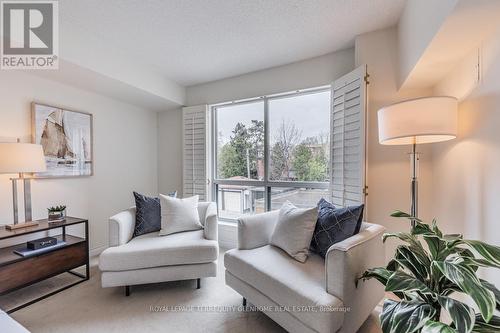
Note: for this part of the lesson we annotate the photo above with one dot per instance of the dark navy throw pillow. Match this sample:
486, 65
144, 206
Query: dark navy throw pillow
147, 214
334, 225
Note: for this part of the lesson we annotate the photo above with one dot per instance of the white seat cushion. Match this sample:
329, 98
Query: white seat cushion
288, 283
152, 250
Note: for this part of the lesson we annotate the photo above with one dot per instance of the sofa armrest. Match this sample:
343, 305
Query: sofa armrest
345, 262
210, 222
121, 227
256, 230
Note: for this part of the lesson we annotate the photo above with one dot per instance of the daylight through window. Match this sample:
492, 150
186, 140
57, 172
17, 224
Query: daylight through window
270, 150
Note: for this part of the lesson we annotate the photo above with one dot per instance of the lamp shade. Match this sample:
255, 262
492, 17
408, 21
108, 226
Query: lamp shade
421, 120
21, 157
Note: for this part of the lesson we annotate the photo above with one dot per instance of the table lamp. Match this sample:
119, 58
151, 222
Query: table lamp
20, 158
418, 121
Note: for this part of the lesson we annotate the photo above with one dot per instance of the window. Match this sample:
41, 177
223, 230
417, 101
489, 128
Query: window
299, 127
269, 150
240, 141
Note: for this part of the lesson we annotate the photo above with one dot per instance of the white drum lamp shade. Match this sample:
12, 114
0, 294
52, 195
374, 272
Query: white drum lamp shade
21, 158
418, 121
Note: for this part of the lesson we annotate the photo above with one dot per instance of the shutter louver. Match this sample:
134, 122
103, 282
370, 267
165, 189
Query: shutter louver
195, 151
348, 113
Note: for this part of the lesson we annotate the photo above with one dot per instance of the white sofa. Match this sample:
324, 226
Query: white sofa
298, 295
151, 258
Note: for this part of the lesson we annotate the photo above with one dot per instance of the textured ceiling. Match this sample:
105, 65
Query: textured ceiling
195, 41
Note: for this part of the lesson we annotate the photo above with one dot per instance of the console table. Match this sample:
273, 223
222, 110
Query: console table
17, 272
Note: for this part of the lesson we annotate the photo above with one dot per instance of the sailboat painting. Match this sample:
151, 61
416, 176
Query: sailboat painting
66, 139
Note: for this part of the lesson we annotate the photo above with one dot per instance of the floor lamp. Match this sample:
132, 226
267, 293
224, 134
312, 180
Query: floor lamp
418, 121
20, 158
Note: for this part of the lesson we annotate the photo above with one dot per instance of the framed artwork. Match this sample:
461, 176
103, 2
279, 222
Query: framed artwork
66, 139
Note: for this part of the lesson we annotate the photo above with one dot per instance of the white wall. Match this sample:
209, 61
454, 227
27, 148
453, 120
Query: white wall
388, 166
466, 170
299, 75
435, 35
125, 152
419, 23
170, 151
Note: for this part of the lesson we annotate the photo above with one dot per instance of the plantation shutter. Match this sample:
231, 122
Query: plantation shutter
348, 132
195, 151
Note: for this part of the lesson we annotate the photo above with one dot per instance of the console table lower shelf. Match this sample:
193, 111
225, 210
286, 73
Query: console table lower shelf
17, 272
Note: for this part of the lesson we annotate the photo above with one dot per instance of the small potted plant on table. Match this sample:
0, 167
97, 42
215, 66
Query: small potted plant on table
57, 213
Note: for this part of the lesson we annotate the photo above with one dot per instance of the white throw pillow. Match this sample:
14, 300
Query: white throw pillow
294, 230
179, 215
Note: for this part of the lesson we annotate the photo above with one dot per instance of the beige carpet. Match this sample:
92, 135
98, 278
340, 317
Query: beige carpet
89, 308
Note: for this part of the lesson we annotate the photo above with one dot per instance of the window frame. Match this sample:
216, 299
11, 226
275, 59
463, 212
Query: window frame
266, 183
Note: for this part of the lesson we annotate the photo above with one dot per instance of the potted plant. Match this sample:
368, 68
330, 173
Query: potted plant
426, 279
57, 213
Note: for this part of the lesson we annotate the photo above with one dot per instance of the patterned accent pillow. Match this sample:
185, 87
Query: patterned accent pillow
334, 225
148, 213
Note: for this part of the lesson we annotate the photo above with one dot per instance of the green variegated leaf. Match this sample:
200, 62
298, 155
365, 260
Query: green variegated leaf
404, 236
413, 261
489, 252
422, 229
379, 273
467, 281
437, 327
474, 263
452, 237
398, 213
414, 245
435, 228
390, 306
402, 282
463, 252
393, 265
437, 246
405, 317
466, 253
494, 289
493, 326
452, 240
462, 315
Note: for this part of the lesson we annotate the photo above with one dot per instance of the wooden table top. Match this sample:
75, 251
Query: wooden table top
43, 225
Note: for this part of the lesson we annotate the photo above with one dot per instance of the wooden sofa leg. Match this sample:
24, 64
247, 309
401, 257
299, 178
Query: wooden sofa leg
127, 290
198, 283
244, 302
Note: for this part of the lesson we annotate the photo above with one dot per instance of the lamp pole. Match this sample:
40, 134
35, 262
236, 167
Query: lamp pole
414, 183
14, 200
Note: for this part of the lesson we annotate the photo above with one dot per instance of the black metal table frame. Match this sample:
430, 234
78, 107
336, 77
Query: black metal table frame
82, 277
